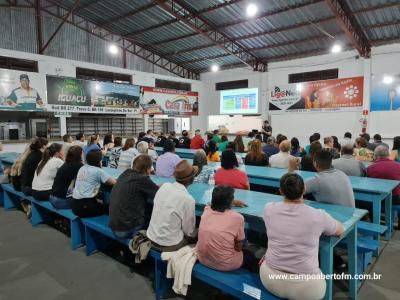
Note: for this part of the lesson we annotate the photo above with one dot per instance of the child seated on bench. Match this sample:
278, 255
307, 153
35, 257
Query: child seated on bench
221, 232
294, 230
87, 186
61, 192
53, 159
129, 209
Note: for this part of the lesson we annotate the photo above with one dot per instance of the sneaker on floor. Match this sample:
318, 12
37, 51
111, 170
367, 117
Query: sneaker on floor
24, 206
29, 211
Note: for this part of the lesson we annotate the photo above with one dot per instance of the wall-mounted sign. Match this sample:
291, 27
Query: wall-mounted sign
22, 91
325, 95
86, 96
169, 102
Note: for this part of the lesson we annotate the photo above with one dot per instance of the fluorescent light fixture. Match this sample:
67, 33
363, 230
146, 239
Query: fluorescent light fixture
387, 79
215, 68
251, 10
336, 48
113, 49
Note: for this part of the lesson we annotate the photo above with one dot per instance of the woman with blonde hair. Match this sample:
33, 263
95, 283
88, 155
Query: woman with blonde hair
281, 159
255, 156
128, 153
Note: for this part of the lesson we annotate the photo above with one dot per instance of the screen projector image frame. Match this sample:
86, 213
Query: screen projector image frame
239, 102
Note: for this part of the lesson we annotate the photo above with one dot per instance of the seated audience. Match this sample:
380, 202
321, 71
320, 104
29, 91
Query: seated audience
160, 140
173, 220
129, 209
395, 153
361, 151
108, 141
141, 137
16, 168
115, 153
143, 149
127, 154
231, 146
150, 136
212, 152
328, 145
79, 140
238, 143
280, 138
385, 168
221, 232
347, 162
87, 186
152, 153
64, 182
248, 139
209, 138
296, 151
281, 159
255, 156
216, 138
307, 162
67, 138
315, 137
378, 141
329, 185
30, 164
336, 144
93, 145
52, 160
197, 141
3, 172
167, 162
271, 148
294, 231
347, 139
184, 141
224, 142
172, 137
367, 137
229, 174
205, 171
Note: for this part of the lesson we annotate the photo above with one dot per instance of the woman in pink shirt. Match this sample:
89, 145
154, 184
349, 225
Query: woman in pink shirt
229, 174
293, 230
221, 232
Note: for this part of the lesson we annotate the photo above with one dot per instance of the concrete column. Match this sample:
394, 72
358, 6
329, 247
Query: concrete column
62, 121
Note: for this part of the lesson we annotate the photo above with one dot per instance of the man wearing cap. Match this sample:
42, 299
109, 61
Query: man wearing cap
25, 95
173, 220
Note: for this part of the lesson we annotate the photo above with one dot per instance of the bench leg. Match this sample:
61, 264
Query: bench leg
326, 254
8, 203
39, 215
161, 280
94, 241
2, 197
77, 234
388, 217
352, 264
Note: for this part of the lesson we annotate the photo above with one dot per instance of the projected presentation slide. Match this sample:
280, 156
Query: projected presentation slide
239, 102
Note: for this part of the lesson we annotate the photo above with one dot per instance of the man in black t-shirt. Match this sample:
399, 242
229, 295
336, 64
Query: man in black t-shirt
184, 140
266, 131
160, 140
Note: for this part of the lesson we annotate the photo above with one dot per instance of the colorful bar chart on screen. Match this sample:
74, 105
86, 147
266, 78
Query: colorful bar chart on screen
239, 102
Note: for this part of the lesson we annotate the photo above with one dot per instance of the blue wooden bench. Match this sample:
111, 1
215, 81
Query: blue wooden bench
11, 197
241, 283
43, 211
366, 228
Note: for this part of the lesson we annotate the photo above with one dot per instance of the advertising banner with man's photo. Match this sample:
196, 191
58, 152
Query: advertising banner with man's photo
86, 96
22, 91
169, 102
325, 95
385, 93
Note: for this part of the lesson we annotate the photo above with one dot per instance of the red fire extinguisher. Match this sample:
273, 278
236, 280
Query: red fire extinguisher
364, 121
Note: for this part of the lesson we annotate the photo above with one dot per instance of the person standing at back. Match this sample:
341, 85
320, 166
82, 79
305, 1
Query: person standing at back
173, 220
294, 230
347, 162
184, 141
329, 185
167, 162
197, 141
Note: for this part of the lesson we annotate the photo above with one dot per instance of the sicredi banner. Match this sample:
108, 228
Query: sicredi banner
325, 95
22, 91
86, 96
169, 102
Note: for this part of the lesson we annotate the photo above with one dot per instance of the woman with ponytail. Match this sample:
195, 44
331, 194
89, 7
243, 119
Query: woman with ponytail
53, 159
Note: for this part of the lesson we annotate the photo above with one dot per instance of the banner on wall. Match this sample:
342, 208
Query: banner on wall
169, 102
385, 93
86, 96
22, 91
325, 95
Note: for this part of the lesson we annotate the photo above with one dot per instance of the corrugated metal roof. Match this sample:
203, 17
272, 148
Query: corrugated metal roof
307, 26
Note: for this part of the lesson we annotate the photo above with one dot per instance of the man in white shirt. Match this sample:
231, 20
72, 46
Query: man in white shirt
281, 159
173, 220
67, 143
